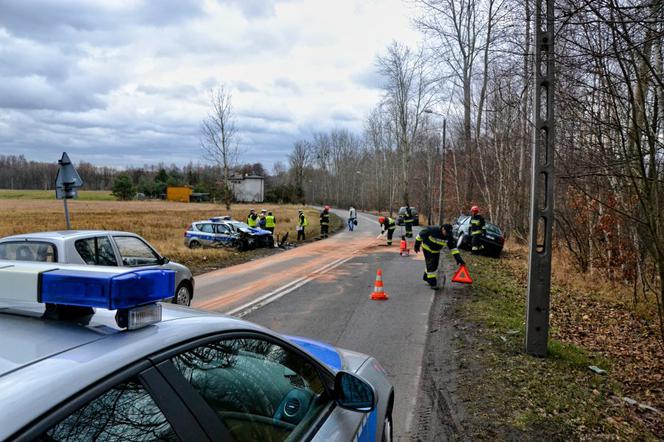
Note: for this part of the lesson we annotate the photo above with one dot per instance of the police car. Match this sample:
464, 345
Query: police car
88, 354
224, 231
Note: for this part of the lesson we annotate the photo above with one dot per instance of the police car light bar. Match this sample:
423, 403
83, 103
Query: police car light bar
82, 286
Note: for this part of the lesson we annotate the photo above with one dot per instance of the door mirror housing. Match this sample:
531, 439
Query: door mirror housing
164, 260
353, 393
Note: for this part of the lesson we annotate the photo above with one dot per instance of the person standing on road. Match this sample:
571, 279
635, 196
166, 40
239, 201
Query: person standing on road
432, 240
252, 219
388, 225
302, 222
270, 222
477, 229
261, 219
324, 222
408, 221
352, 218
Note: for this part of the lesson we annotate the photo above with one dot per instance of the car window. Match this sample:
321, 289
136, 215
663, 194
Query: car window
259, 390
492, 228
207, 228
28, 251
135, 252
96, 251
222, 228
126, 412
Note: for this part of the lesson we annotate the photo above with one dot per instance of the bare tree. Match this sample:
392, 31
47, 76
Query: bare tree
219, 137
299, 159
409, 92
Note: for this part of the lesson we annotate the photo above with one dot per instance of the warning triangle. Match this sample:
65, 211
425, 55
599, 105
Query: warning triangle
462, 275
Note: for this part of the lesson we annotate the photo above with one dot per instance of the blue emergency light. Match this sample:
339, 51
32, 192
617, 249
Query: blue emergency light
103, 290
72, 291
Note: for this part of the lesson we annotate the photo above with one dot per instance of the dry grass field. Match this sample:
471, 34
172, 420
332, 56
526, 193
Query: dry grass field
162, 223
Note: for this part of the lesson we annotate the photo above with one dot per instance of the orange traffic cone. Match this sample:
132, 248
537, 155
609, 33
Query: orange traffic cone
403, 248
378, 293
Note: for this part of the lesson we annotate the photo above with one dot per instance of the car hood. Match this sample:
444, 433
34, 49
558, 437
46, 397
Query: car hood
254, 231
335, 358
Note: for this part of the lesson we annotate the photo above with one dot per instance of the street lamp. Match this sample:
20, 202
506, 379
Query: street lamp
441, 183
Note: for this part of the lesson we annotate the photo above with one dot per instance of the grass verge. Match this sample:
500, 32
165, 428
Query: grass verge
510, 395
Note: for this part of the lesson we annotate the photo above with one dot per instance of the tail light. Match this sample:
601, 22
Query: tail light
187, 229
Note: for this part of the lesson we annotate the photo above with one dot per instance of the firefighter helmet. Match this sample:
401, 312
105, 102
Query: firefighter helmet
381, 219
327, 207
474, 210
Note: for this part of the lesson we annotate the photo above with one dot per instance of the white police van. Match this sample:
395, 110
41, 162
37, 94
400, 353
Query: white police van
89, 354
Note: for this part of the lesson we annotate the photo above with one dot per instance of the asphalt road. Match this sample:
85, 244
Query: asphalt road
321, 290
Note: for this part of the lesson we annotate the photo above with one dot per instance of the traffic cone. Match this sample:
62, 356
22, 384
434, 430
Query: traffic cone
378, 293
403, 248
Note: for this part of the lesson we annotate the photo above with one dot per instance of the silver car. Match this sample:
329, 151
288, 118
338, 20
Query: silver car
96, 247
71, 373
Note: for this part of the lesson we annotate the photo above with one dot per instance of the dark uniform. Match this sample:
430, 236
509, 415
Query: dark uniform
408, 221
324, 223
390, 225
301, 223
477, 230
432, 240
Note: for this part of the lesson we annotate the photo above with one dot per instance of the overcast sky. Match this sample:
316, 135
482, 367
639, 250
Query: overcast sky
126, 82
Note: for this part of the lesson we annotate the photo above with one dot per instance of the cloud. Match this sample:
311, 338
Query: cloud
288, 85
126, 82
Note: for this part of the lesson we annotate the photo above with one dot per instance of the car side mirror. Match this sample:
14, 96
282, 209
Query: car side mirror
164, 260
353, 393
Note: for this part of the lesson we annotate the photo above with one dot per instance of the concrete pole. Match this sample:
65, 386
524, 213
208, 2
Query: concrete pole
441, 187
541, 199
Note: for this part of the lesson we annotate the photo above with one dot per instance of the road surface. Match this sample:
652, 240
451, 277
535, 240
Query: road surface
321, 290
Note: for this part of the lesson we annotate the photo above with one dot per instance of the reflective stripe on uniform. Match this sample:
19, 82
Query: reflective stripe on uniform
418, 238
455, 251
427, 248
475, 232
475, 222
431, 275
440, 242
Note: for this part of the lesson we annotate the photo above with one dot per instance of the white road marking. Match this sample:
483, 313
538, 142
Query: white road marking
272, 296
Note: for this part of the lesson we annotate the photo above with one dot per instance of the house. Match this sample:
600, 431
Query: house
248, 188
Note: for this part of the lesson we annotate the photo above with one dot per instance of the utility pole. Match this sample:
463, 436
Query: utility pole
441, 184
541, 198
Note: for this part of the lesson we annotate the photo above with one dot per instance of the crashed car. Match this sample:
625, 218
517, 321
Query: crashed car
224, 231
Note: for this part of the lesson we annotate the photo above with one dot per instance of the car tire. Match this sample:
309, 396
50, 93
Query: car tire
387, 430
193, 244
183, 294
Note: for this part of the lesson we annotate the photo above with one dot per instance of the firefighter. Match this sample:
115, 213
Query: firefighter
270, 222
476, 230
302, 222
432, 240
388, 225
252, 219
408, 221
324, 222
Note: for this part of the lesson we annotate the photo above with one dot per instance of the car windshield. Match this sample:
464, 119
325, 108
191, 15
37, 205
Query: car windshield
28, 251
492, 228
239, 225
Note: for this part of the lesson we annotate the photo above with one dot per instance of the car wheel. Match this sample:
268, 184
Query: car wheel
387, 430
194, 244
183, 295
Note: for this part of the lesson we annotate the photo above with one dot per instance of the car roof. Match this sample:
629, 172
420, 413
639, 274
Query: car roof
65, 234
53, 360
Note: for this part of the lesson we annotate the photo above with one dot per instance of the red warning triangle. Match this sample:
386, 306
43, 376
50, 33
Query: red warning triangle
462, 275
